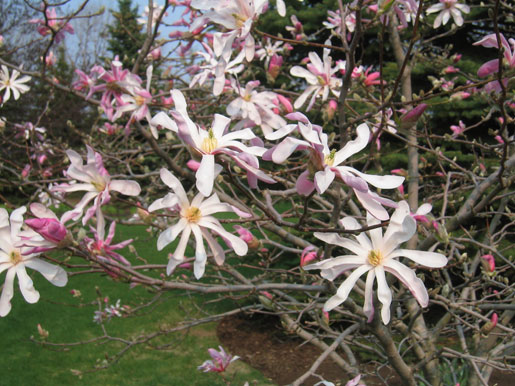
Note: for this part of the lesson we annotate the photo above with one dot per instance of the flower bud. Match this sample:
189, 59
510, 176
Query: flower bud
308, 254
490, 261
248, 237
412, 116
51, 229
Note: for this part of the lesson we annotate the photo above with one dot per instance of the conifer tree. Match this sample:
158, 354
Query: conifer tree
126, 38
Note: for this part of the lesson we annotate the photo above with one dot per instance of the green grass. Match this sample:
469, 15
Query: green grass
70, 319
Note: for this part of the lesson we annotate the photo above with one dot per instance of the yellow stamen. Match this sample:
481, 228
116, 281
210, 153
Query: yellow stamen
99, 185
329, 159
15, 257
375, 258
240, 19
140, 101
247, 98
321, 81
192, 214
209, 143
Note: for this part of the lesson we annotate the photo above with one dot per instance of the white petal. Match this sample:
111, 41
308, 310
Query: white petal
129, 188
368, 306
53, 273
26, 286
7, 292
408, 277
333, 238
354, 146
206, 174
383, 294
427, 259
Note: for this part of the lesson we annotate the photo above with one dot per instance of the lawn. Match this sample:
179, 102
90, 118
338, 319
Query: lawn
69, 318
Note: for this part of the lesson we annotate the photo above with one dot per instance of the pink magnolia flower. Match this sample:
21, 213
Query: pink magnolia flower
53, 25
194, 217
320, 78
334, 22
219, 362
137, 102
117, 82
208, 143
376, 255
446, 9
95, 180
101, 245
458, 129
297, 30
15, 258
325, 165
492, 66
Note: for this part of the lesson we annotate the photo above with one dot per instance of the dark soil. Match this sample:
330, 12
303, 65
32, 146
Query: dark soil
260, 341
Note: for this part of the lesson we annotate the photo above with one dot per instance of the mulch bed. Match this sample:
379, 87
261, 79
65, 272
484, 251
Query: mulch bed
260, 341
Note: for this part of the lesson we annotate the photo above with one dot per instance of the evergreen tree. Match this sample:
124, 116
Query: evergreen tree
126, 38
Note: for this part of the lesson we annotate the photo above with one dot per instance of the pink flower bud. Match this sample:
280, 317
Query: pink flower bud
248, 237
26, 170
155, 53
450, 70
494, 319
275, 66
325, 315
331, 109
456, 58
185, 266
51, 229
401, 189
412, 116
50, 59
490, 260
308, 254
267, 294
285, 102
399, 172
499, 139
42, 158
193, 165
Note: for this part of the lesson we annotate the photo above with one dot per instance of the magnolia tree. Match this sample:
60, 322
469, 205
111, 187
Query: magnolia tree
299, 172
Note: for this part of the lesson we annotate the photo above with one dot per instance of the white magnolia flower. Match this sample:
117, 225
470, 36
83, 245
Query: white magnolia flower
448, 8
15, 259
376, 255
216, 140
320, 78
216, 67
12, 84
195, 217
256, 107
236, 16
95, 180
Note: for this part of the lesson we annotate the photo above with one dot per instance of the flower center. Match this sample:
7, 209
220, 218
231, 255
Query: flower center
239, 19
321, 80
140, 101
192, 214
375, 258
209, 143
99, 185
15, 256
247, 98
329, 158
